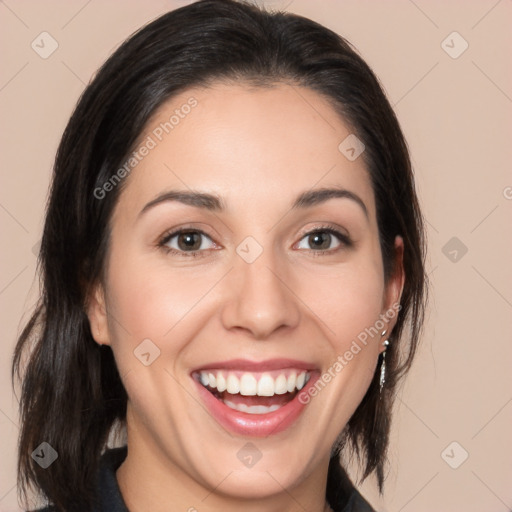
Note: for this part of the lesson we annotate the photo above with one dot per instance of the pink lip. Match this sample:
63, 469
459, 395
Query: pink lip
254, 366
255, 425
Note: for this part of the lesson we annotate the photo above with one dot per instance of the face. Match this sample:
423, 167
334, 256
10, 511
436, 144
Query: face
218, 307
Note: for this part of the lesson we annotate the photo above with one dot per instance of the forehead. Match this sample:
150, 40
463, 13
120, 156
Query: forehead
238, 141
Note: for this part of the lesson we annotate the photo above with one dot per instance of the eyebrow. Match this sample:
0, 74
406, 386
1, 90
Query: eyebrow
215, 203
321, 195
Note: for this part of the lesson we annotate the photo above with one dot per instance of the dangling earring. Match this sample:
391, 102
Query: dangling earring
383, 365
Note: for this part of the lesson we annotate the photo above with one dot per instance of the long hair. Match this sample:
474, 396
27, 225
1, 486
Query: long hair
71, 394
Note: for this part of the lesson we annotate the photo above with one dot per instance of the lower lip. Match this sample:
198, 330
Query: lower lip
255, 425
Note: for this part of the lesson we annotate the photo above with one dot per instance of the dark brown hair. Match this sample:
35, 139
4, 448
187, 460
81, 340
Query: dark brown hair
71, 392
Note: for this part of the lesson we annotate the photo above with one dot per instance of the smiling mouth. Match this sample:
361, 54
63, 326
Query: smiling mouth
253, 392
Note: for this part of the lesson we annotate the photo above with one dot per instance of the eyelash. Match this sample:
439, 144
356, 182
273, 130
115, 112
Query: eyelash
170, 235
344, 240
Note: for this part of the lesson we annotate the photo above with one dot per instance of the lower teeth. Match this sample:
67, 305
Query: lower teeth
252, 409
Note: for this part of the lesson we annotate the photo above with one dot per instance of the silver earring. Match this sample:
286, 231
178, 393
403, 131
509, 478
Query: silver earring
383, 365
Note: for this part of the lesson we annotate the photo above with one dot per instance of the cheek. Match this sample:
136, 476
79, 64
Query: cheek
147, 299
347, 301
349, 304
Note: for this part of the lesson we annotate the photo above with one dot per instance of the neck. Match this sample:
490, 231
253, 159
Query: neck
149, 480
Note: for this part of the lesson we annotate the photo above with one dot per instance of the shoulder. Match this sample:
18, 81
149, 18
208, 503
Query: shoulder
357, 503
341, 494
108, 494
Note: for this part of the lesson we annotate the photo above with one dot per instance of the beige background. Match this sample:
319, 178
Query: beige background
457, 117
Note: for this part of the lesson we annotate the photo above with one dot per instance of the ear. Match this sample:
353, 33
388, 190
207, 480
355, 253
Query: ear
97, 314
394, 288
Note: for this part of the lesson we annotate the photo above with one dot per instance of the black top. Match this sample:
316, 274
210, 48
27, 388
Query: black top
110, 499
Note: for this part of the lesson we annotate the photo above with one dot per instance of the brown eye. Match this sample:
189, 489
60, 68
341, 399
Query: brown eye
322, 240
189, 241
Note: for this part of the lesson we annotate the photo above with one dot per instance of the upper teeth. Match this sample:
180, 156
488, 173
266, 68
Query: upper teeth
254, 383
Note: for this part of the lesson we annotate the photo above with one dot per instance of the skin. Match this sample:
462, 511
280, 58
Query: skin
258, 149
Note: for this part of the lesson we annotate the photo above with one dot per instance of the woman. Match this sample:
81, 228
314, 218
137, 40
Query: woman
233, 248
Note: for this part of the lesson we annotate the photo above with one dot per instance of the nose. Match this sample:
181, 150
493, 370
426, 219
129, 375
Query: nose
260, 298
